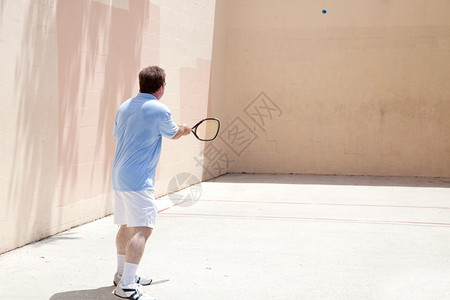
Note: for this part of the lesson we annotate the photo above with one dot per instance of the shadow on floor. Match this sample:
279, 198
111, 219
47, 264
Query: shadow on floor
97, 294
94, 294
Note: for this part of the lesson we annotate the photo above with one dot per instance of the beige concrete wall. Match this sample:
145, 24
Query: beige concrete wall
66, 67
29, 121
363, 89
216, 155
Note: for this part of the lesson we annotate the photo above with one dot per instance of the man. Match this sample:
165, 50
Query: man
140, 124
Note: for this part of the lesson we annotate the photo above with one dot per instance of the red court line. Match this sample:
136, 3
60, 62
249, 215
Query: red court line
176, 204
309, 219
328, 204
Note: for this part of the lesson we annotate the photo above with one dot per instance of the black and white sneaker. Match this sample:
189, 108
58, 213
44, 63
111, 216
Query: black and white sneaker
138, 279
132, 291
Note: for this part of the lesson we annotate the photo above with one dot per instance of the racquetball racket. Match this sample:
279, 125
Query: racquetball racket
207, 129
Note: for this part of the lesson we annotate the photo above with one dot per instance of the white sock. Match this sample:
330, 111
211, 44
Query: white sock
129, 273
120, 263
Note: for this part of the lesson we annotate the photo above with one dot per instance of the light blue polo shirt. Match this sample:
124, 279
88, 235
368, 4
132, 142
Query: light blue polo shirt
140, 124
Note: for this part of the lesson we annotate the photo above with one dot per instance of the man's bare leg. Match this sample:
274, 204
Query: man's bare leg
130, 241
136, 243
123, 235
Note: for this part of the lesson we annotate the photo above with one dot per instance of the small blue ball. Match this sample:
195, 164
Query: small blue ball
324, 11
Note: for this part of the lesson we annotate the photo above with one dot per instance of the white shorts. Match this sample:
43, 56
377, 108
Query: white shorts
135, 208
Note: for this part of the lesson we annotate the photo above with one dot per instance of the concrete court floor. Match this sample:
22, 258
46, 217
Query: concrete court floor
262, 237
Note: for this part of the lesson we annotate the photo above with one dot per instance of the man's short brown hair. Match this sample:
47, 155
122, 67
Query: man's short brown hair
151, 79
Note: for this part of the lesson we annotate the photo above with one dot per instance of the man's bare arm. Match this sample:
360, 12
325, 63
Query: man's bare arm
182, 130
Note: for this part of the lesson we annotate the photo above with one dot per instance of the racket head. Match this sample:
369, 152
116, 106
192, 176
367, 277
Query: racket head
207, 129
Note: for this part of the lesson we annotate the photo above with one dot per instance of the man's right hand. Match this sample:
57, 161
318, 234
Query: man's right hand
182, 130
